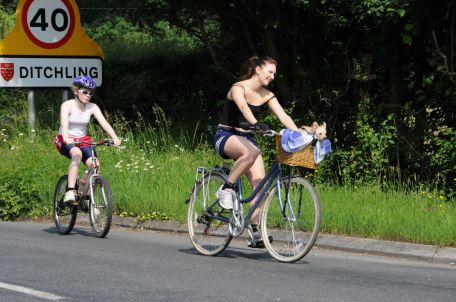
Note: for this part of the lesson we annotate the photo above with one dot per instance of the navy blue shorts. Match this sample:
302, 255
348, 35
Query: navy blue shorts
222, 134
65, 148
86, 151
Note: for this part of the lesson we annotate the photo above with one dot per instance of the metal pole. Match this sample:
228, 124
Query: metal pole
31, 114
65, 95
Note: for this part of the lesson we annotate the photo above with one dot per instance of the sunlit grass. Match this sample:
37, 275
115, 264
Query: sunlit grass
393, 215
153, 176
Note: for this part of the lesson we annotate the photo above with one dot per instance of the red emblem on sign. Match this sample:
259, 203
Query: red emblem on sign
7, 70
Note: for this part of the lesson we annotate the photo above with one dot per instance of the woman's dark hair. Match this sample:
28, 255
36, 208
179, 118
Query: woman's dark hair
248, 68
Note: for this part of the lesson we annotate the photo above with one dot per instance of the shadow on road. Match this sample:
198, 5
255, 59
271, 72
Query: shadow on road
259, 255
75, 231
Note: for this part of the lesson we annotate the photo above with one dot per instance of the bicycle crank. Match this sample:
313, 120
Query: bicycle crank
236, 225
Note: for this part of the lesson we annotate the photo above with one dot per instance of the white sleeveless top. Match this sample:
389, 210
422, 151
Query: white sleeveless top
78, 121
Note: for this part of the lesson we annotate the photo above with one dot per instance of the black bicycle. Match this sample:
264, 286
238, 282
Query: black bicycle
94, 196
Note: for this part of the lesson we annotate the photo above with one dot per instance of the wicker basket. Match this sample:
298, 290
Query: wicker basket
302, 158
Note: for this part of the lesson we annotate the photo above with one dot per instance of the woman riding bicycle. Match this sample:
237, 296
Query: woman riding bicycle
75, 115
245, 101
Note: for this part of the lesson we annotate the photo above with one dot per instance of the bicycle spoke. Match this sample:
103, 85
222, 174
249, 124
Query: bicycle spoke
64, 215
207, 225
100, 208
292, 216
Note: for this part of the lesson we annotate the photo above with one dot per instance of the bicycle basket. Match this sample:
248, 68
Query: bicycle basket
302, 158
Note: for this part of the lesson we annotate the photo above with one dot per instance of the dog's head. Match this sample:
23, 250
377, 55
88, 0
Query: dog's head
319, 130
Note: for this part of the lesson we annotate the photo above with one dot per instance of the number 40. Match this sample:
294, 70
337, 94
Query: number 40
39, 20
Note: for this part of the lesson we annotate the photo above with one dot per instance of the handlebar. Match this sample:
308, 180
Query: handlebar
248, 126
104, 142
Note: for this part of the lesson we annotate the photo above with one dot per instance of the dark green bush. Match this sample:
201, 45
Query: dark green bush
18, 198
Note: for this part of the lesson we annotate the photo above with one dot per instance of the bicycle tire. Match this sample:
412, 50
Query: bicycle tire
294, 225
64, 215
209, 235
100, 206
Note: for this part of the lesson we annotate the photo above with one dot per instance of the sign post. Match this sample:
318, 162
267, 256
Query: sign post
48, 47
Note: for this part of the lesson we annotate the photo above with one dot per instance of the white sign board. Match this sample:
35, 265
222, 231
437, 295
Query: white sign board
47, 72
48, 47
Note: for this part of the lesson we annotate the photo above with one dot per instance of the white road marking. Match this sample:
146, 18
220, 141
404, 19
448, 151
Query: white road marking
29, 291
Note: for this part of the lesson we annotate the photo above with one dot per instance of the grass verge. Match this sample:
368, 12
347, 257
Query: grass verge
151, 181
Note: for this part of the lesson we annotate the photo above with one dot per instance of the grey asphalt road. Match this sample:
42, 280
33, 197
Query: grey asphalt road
36, 264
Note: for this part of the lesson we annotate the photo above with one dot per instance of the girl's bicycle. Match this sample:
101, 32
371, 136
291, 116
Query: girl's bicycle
94, 196
290, 214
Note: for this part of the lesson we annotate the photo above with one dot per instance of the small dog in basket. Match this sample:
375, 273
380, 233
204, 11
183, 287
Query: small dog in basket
318, 131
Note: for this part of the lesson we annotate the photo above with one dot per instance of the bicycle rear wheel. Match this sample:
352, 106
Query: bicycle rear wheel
207, 221
293, 220
100, 208
64, 215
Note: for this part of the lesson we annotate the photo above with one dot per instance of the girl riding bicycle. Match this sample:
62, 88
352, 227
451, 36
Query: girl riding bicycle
75, 115
244, 102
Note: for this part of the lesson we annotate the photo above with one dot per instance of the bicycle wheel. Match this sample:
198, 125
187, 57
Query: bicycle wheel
293, 220
207, 221
64, 215
100, 208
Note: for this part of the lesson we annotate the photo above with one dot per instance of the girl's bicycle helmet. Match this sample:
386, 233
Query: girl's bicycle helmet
85, 82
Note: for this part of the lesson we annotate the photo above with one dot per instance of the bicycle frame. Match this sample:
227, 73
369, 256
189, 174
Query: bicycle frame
91, 173
274, 174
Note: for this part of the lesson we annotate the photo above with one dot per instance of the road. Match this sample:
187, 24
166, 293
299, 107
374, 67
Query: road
36, 264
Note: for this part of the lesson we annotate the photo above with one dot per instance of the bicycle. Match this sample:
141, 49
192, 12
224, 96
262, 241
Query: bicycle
291, 211
94, 196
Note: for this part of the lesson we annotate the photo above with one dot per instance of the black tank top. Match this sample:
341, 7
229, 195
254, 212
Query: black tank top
232, 116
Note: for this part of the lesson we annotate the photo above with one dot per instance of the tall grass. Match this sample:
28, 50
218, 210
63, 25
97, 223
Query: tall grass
154, 174
394, 215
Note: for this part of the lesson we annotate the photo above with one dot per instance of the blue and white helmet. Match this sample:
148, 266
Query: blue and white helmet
85, 82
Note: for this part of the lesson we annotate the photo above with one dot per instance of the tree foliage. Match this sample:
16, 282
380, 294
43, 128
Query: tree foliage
333, 56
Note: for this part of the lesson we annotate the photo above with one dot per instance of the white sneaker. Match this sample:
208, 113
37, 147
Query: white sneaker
70, 197
225, 198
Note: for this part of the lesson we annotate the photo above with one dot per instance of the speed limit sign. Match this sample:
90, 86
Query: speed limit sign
48, 23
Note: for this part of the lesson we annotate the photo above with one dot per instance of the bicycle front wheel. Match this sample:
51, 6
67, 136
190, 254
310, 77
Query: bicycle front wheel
292, 216
207, 221
100, 208
64, 215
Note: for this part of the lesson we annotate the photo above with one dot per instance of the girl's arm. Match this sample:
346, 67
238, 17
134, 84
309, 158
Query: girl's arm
105, 125
283, 117
64, 121
237, 94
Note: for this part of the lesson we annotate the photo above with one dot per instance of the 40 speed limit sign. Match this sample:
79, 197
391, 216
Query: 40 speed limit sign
48, 23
